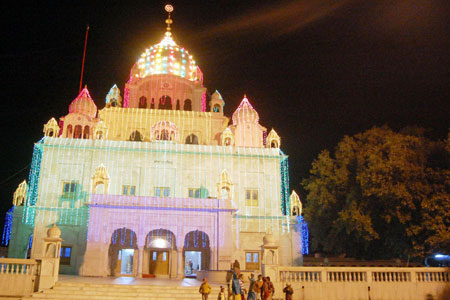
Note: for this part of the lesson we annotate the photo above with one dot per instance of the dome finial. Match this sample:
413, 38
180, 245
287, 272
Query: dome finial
169, 9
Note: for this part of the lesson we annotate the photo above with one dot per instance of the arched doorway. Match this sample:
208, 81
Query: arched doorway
123, 252
196, 252
159, 244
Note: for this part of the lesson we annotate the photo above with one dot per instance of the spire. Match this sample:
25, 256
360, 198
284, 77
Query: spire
169, 9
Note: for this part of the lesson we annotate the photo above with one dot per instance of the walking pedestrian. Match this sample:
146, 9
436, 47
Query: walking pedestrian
205, 289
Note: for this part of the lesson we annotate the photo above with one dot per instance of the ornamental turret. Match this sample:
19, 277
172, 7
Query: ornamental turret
247, 130
217, 103
20, 194
113, 99
51, 128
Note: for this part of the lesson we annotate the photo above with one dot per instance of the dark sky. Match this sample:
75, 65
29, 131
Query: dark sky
315, 70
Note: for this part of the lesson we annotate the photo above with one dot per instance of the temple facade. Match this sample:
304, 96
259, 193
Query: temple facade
159, 182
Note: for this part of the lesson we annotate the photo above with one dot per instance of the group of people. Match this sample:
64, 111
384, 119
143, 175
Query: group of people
261, 289
258, 289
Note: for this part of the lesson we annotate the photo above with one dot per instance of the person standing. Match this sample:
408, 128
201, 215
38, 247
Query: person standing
251, 287
288, 291
258, 287
221, 295
268, 289
235, 287
241, 284
205, 289
237, 267
271, 288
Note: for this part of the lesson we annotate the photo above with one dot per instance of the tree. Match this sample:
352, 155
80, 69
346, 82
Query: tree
381, 194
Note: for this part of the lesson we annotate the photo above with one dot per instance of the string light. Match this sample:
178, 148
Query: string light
284, 169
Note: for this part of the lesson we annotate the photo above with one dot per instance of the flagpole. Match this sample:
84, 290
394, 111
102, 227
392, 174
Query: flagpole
84, 57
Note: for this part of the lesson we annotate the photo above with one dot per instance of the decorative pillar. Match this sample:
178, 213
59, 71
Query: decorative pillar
50, 259
270, 257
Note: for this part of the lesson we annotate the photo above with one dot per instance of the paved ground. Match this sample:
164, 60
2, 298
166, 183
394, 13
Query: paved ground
131, 281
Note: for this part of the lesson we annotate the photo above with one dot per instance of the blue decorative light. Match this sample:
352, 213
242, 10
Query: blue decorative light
7, 228
303, 228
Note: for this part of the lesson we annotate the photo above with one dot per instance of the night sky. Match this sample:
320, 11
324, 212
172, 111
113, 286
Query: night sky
314, 70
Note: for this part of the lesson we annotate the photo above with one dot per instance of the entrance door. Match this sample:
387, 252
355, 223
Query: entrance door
193, 262
159, 262
124, 265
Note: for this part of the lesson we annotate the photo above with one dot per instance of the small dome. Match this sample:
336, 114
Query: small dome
83, 104
54, 232
245, 113
268, 240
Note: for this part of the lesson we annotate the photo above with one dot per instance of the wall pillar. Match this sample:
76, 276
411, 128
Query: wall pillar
180, 264
140, 261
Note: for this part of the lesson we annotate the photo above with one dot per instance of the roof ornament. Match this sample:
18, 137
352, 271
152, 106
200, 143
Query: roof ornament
169, 9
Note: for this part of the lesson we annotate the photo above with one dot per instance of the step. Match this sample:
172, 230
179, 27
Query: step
108, 291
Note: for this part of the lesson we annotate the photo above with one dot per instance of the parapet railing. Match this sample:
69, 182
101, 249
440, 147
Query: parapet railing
18, 276
362, 274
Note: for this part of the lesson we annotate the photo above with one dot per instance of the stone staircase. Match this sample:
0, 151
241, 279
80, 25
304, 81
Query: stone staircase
91, 291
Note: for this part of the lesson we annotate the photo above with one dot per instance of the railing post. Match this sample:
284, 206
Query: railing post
369, 276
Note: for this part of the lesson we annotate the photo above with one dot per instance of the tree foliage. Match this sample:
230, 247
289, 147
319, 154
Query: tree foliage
381, 194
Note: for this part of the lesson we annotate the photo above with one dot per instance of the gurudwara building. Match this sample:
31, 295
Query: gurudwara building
159, 181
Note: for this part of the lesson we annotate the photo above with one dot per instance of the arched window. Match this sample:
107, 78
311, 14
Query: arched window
192, 139
227, 141
165, 102
50, 132
86, 132
187, 105
216, 108
178, 104
152, 105
143, 102
69, 131
77, 132
136, 136
274, 144
113, 102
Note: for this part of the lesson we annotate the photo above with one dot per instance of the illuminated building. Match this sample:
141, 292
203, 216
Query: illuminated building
158, 181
